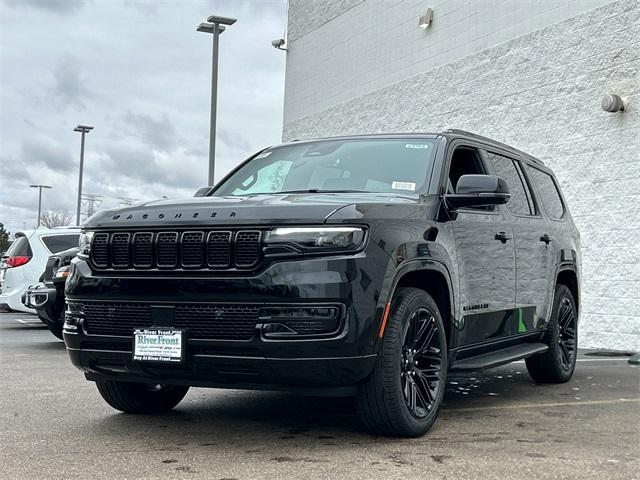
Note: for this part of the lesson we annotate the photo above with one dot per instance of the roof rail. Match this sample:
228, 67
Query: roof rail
464, 133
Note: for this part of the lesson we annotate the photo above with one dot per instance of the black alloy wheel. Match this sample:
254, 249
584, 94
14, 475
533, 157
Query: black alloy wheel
567, 333
403, 394
558, 363
421, 363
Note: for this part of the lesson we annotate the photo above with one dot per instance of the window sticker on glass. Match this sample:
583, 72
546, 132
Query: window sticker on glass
416, 145
403, 186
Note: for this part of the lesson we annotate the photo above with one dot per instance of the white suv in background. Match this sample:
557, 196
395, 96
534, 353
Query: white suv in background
26, 259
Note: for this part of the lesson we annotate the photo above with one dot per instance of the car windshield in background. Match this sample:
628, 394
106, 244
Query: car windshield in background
356, 165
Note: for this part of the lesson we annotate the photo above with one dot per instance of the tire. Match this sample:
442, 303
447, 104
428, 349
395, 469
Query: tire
557, 364
141, 397
56, 329
384, 399
57, 326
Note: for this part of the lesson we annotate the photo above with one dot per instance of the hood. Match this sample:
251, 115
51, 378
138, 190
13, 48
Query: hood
250, 210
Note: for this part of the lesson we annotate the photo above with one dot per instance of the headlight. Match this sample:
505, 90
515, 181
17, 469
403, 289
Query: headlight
62, 272
84, 243
317, 238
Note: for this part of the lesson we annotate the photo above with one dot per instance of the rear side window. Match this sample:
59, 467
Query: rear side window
549, 193
520, 202
20, 248
58, 243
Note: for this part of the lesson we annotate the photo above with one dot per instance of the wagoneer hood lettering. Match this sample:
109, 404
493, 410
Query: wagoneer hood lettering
249, 210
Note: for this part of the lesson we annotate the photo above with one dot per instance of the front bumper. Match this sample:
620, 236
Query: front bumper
339, 360
13, 301
44, 299
38, 296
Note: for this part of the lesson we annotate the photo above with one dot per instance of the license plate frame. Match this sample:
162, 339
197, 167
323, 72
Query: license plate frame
155, 350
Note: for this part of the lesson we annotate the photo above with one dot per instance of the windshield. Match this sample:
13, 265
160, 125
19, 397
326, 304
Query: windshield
358, 165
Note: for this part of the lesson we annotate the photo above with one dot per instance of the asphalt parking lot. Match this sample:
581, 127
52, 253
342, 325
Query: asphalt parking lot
497, 424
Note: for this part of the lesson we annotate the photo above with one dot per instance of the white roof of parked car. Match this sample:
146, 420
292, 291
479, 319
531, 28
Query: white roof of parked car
47, 231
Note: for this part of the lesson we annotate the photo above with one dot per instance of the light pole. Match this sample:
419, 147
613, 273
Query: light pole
215, 26
39, 187
84, 129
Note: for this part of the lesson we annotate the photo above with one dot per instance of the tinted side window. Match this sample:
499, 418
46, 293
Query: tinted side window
519, 203
20, 248
465, 161
58, 243
549, 194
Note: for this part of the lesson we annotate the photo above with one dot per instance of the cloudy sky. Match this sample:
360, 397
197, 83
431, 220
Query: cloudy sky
140, 73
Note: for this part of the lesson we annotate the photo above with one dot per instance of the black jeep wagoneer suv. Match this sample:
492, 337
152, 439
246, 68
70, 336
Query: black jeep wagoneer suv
365, 265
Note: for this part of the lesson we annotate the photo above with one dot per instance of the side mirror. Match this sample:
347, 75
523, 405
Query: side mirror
478, 191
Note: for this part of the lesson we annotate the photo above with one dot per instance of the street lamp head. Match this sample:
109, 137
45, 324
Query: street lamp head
221, 20
40, 186
83, 128
208, 28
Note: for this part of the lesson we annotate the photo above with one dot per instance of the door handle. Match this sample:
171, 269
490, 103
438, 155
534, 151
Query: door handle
503, 237
545, 238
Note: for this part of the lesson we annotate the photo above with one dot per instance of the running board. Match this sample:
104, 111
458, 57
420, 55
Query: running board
499, 357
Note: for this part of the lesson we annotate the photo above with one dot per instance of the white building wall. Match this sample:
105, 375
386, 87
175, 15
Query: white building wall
539, 92
342, 49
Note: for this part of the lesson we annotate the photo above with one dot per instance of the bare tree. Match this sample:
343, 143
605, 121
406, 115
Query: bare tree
52, 219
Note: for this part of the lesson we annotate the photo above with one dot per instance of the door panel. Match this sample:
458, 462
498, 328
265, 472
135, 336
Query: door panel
486, 259
487, 276
534, 267
534, 255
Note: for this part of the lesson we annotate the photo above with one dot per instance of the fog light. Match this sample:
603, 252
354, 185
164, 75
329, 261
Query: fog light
299, 320
37, 300
73, 316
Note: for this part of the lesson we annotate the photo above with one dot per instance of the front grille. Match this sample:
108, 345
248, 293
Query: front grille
115, 318
226, 322
248, 248
219, 249
202, 321
120, 251
167, 249
192, 249
100, 249
210, 321
188, 250
143, 249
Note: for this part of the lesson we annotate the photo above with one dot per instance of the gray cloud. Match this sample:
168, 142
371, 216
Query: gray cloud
144, 85
59, 7
70, 85
158, 133
233, 140
49, 152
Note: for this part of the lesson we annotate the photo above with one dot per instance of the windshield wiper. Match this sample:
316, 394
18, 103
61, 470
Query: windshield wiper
319, 190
